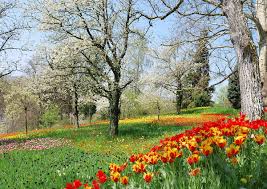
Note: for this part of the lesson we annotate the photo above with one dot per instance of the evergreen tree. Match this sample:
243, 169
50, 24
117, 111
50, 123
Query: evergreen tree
234, 91
198, 79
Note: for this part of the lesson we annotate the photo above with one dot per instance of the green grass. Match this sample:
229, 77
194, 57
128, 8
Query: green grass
91, 149
132, 138
50, 168
215, 110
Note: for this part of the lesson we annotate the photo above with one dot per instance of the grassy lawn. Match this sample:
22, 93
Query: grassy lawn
90, 149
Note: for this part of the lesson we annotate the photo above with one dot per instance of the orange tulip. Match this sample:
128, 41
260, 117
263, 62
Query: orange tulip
232, 150
234, 160
260, 139
239, 140
192, 145
220, 141
139, 167
194, 172
193, 159
124, 180
148, 177
115, 176
207, 150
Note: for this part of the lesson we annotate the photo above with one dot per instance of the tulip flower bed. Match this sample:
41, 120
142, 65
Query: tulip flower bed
33, 144
228, 153
190, 121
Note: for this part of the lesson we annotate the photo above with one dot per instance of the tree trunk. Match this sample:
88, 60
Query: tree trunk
114, 108
179, 98
249, 76
158, 109
90, 119
261, 8
26, 119
75, 105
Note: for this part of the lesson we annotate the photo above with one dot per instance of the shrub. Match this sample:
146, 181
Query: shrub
88, 110
50, 116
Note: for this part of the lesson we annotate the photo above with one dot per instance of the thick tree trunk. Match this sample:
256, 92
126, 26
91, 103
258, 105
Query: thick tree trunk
76, 105
250, 86
261, 8
114, 108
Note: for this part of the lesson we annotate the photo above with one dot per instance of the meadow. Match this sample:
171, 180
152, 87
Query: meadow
79, 153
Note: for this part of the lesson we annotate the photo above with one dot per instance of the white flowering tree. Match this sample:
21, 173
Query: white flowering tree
20, 103
100, 31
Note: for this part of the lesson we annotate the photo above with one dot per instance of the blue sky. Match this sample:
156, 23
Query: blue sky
160, 31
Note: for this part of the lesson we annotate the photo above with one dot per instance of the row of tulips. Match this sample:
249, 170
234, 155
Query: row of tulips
227, 153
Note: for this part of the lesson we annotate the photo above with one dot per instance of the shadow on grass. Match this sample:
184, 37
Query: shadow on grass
148, 130
100, 132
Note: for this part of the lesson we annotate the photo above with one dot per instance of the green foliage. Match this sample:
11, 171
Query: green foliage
234, 91
50, 116
103, 114
201, 99
88, 109
198, 79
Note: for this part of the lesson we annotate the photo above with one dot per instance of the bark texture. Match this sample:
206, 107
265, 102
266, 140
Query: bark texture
250, 86
114, 104
261, 23
76, 105
179, 97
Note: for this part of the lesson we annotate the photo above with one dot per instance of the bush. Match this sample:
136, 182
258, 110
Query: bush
88, 110
202, 99
50, 116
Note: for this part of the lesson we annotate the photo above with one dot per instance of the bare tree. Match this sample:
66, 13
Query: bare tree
172, 70
10, 31
232, 12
